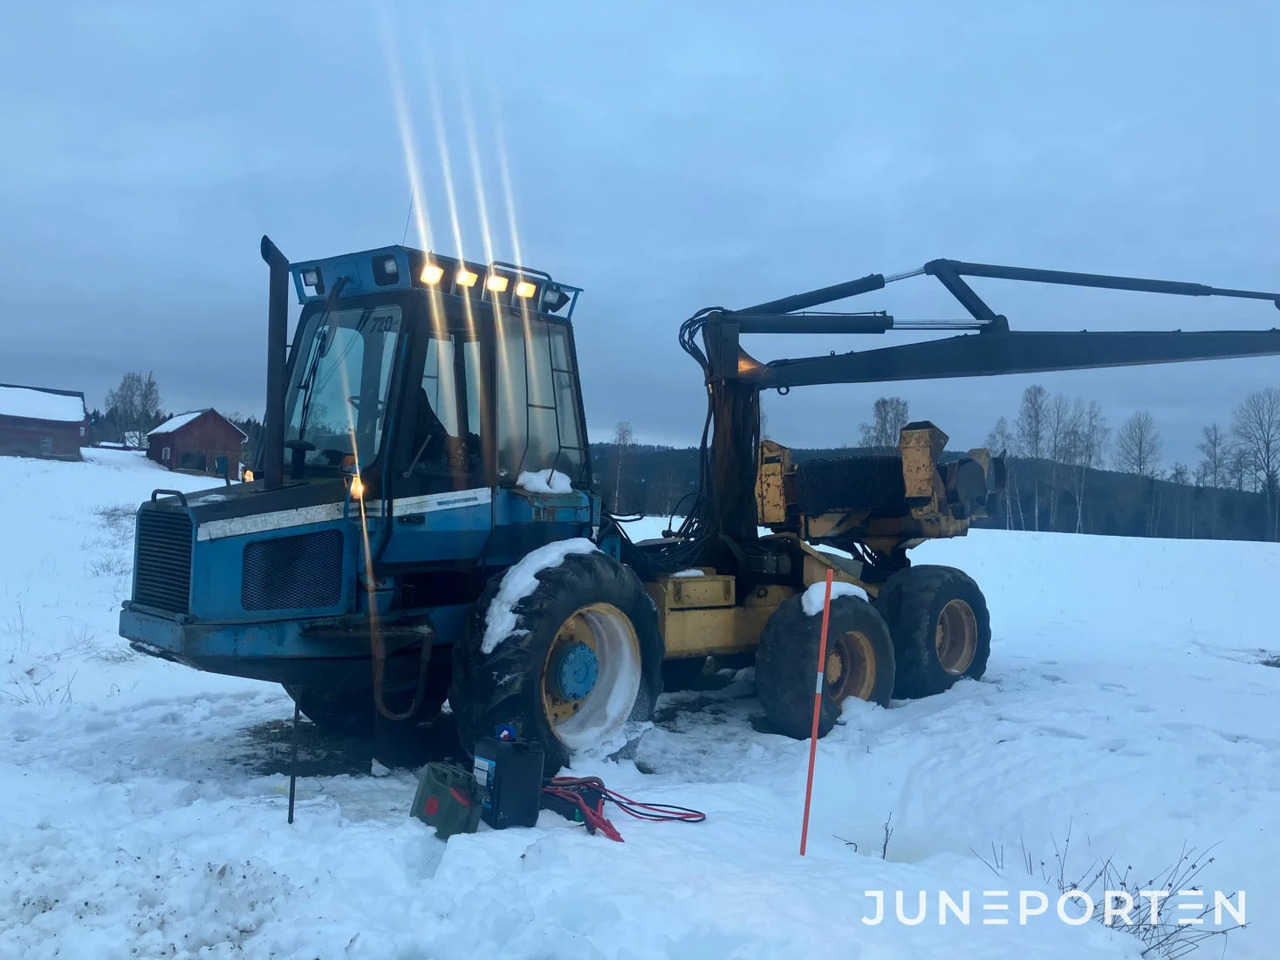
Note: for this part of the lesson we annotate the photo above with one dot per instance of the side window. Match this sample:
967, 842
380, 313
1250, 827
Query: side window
564, 381
446, 447
439, 386
538, 424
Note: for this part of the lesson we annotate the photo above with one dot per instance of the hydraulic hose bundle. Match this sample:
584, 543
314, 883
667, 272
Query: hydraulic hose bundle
684, 544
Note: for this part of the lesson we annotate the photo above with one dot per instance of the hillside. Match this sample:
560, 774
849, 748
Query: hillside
658, 480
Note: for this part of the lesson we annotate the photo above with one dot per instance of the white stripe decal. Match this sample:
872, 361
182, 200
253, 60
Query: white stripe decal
430, 503
325, 512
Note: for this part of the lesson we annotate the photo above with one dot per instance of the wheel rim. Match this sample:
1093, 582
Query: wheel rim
591, 675
956, 639
850, 669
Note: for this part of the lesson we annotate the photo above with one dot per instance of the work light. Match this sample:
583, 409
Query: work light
431, 274
466, 278
553, 298
525, 289
386, 271
496, 283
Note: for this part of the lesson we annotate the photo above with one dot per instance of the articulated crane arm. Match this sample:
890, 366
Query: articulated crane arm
988, 348
995, 350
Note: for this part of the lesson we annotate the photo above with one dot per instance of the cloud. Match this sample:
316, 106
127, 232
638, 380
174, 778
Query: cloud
663, 156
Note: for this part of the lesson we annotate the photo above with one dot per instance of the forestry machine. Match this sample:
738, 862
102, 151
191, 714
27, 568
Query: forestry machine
419, 522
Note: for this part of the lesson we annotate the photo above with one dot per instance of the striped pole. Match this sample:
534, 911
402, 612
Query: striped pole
817, 710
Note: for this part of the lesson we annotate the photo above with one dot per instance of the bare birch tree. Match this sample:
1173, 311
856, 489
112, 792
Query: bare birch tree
1214, 470
1138, 446
1088, 447
1138, 452
1255, 424
622, 441
889, 415
135, 406
1030, 429
1215, 454
1060, 436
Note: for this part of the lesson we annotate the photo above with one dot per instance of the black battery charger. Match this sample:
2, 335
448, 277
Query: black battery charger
508, 776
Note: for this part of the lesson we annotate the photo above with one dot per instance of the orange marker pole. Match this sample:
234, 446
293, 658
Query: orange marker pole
817, 710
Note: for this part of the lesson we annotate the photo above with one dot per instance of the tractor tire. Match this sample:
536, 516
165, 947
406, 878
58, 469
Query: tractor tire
940, 625
860, 663
582, 657
347, 713
872, 483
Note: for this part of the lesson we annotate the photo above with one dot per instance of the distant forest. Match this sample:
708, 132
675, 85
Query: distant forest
1066, 472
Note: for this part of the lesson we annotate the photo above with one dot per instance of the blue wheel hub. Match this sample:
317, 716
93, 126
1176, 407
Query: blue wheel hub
574, 669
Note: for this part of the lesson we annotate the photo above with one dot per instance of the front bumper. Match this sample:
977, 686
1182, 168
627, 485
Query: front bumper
330, 653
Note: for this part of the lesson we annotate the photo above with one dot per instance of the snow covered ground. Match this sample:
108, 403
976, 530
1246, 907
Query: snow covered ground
1125, 703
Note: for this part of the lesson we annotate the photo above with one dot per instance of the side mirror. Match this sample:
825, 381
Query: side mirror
222, 467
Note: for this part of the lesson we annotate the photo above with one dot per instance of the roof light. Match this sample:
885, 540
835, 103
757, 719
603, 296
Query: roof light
431, 274
310, 277
466, 278
386, 271
553, 299
496, 283
525, 289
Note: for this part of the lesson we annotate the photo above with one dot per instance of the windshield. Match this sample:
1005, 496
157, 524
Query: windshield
338, 393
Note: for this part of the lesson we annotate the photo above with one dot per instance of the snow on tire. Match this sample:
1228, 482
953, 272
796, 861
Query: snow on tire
578, 655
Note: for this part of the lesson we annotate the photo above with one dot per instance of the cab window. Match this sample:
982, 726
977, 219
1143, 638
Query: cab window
538, 415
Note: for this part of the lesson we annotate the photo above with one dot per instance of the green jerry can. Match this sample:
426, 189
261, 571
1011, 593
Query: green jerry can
446, 799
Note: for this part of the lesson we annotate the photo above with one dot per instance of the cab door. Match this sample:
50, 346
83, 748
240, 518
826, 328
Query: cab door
442, 498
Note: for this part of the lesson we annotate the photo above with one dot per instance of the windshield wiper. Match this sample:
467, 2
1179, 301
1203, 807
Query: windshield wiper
322, 348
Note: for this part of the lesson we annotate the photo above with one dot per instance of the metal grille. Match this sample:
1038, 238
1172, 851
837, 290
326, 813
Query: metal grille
162, 577
290, 573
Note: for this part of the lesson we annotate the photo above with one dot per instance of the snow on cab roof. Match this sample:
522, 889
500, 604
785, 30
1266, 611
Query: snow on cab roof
32, 403
182, 419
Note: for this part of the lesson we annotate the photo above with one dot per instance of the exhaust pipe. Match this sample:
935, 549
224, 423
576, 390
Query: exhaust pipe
277, 336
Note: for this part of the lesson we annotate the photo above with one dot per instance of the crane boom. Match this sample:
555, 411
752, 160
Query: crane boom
1006, 352
735, 378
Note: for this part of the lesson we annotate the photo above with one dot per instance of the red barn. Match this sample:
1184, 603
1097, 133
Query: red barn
191, 441
42, 422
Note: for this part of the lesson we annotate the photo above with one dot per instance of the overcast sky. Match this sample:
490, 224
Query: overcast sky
665, 157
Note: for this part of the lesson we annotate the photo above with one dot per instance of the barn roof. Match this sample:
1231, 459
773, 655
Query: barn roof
38, 403
182, 419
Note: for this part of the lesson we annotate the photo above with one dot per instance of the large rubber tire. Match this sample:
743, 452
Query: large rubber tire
349, 713
860, 663
603, 601
940, 625
871, 483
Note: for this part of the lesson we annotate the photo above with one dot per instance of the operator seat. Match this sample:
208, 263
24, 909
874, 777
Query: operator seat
429, 429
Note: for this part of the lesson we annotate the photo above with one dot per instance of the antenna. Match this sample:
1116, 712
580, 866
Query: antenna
413, 195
